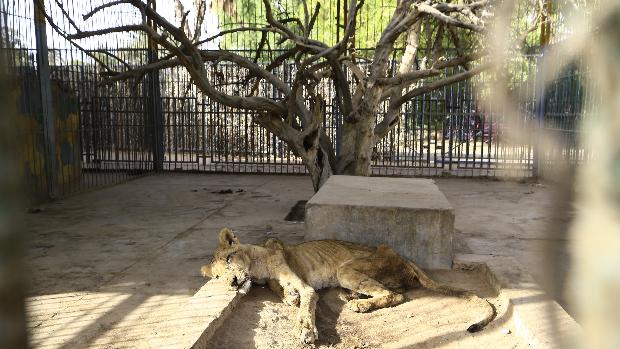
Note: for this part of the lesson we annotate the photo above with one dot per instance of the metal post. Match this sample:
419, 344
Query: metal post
47, 110
539, 114
337, 118
337, 20
545, 38
154, 106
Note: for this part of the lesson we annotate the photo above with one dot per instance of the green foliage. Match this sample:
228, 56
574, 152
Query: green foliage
372, 20
328, 28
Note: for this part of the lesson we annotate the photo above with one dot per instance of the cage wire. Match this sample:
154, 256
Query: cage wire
105, 134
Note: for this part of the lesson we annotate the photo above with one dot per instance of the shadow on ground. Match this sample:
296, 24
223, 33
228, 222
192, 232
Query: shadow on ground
426, 320
108, 266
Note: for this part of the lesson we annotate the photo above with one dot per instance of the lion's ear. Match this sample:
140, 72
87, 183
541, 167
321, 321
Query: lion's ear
228, 238
205, 270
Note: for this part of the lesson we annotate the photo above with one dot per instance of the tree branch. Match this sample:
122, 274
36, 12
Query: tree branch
99, 32
139, 72
433, 11
102, 7
408, 77
108, 53
200, 16
439, 83
237, 30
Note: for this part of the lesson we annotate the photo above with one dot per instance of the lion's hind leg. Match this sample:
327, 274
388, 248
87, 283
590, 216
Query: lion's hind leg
380, 296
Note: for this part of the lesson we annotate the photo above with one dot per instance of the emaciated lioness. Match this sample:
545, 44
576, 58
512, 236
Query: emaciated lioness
378, 274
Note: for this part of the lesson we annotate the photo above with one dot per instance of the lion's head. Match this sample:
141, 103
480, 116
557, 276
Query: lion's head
230, 262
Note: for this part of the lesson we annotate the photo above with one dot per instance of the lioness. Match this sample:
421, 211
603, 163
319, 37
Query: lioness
378, 274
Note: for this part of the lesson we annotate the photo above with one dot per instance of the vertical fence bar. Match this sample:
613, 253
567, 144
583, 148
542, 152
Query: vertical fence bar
154, 107
49, 127
539, 114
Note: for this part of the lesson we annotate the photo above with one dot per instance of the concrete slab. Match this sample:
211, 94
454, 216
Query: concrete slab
409, 214
193, 324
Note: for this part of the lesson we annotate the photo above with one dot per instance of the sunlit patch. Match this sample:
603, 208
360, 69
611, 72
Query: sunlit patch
67, 319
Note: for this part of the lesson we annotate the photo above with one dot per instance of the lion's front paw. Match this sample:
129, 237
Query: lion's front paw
359, 305
307, 331
291, 297
205, 271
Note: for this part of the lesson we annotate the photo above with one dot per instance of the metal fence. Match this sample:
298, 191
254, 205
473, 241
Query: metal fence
76, 134
565, 102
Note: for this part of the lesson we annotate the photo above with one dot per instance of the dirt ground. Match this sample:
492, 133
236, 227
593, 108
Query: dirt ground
105, 265
426, 320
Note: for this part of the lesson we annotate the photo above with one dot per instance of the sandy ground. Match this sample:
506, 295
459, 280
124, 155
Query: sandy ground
105, 265
427, 320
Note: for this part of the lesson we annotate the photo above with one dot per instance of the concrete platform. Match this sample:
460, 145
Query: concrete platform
410, 215
194, 322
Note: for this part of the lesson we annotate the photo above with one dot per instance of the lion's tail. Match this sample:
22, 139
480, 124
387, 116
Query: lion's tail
429, 283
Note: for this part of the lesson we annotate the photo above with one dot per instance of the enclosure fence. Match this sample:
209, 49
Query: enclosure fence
75, 133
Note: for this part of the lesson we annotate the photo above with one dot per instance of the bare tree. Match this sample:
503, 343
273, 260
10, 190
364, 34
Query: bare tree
297, 118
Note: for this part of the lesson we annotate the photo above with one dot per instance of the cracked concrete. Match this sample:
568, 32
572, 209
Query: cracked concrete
108, 266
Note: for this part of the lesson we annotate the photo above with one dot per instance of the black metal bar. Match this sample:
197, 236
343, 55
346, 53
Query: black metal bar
47, 108
154, 106
540, 116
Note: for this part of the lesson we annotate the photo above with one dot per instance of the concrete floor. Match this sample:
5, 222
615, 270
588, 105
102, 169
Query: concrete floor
108, 265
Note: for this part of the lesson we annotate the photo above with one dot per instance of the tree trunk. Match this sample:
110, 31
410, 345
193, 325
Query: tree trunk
357, 144
359, 136
319, 169
311, 148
